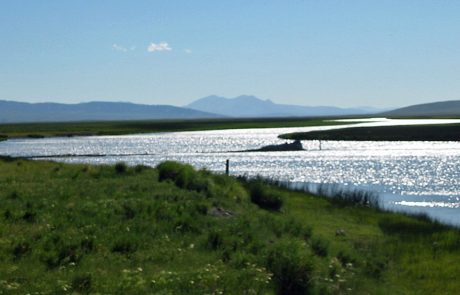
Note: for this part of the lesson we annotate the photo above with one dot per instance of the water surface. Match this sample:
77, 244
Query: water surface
411, 176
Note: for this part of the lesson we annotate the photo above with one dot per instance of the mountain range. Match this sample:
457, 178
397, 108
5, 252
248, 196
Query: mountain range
251, 106
207, 107
11, 111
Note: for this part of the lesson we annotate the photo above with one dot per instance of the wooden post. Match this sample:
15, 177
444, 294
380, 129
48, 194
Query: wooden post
227, 167
320, 145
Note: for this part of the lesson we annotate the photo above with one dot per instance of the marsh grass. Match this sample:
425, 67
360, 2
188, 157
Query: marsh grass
442, 132
39, 130
342, 196
91, 229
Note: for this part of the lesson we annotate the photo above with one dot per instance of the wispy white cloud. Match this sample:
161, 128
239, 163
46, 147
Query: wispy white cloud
162, 46
188, 51
119, 48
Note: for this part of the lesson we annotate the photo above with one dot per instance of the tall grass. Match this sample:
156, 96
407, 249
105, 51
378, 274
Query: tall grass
340, 194
178, 230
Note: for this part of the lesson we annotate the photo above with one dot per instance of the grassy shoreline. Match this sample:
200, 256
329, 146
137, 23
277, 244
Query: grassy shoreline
138, 230
38, 130
449, 132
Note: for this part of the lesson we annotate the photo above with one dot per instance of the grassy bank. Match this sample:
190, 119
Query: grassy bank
387, 133
174, 230
132, 127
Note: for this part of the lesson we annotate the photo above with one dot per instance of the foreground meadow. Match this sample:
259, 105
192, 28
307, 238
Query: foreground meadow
173, 230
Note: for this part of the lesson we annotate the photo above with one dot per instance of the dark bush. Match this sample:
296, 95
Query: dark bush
121, 167
320, 247
60, 254
29, 216
345, 257
291, 266
21, 249
68, 254
87, 244
140, 168
186, 224
82, 283
180, 174
14, 195
124, 246
7, 214
376, 266
214, 240
128, 212
265, 197
307, 232
201, 209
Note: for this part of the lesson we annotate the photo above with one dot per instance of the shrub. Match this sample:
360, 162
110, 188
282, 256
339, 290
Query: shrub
180, 174
87, 244
320, 247
345, 257
60, 254
29, 216
82, 283
307, 232
121, 167
291, 266
376, 266
128, 211
124, 246
214, 240
140, 168
21, 249
265, 197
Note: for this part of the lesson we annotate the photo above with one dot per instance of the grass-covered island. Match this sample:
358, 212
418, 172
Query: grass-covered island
174, 230
385, 133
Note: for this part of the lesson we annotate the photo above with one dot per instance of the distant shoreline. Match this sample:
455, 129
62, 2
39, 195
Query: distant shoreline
444, 132
69, 129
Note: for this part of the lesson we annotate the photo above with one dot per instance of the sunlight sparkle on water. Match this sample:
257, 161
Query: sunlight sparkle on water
402, 169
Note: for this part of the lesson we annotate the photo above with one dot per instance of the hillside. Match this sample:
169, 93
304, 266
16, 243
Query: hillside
82, 229
11, 112
251, 106
442, 108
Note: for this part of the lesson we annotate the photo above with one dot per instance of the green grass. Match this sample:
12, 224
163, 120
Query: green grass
35, 130
174, 230
386, 133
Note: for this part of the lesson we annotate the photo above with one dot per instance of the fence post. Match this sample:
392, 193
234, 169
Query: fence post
227, 167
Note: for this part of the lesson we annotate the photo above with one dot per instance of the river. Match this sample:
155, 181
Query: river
409, 176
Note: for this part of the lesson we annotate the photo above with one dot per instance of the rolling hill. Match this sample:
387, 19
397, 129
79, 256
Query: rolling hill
441, 108
13, 112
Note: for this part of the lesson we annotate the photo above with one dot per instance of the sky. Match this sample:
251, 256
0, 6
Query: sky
342, 53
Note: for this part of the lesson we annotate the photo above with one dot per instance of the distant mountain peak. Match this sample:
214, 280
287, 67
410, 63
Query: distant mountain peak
252, 106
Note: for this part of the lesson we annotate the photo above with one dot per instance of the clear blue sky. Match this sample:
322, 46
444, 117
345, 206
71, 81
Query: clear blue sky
344, 53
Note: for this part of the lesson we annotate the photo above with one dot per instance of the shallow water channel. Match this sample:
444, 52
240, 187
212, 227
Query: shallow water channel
410, 176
